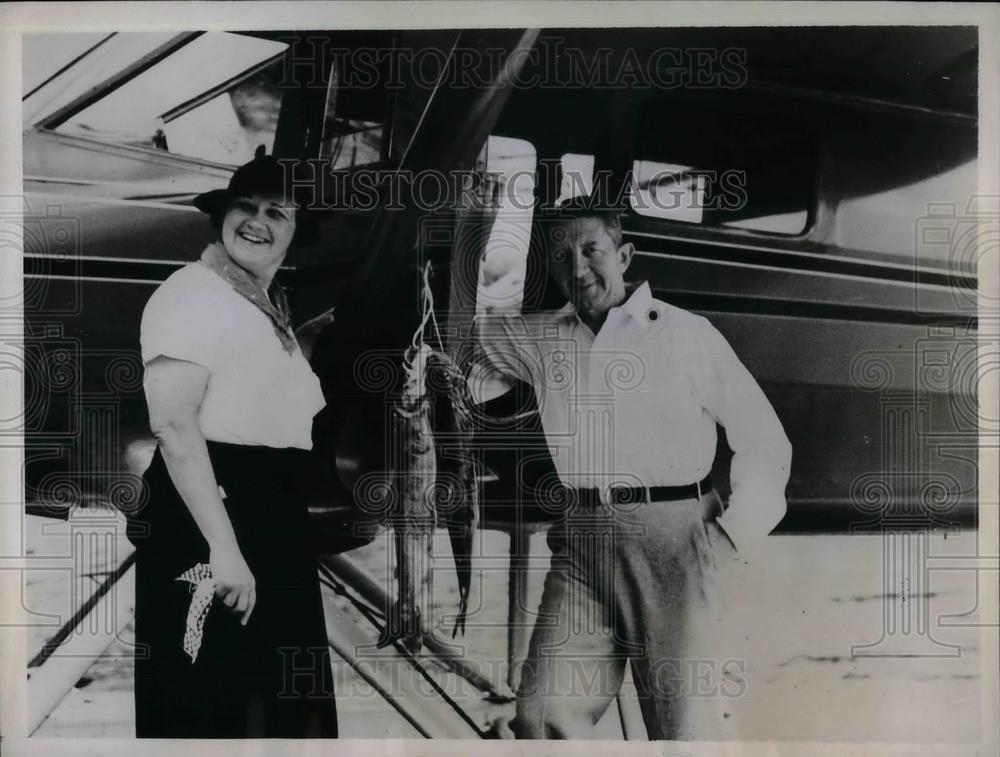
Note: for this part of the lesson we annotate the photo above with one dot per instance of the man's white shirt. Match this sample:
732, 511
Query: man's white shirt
637, 403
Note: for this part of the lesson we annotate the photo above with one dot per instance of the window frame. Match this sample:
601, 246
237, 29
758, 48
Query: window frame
50, 123
644, 223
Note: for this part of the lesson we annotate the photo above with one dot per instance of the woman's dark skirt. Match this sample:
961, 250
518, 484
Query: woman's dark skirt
268, 679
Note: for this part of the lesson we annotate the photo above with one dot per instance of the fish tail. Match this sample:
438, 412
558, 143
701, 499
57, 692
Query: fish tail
463, 609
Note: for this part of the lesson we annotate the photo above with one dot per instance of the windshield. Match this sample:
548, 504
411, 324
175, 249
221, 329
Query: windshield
176, 105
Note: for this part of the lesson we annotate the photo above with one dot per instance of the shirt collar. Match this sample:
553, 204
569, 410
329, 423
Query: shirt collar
637, 305
271, 303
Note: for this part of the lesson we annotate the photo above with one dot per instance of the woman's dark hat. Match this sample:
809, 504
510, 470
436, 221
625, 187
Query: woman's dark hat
264, 175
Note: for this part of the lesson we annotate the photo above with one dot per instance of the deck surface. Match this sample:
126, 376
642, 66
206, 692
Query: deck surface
794, 621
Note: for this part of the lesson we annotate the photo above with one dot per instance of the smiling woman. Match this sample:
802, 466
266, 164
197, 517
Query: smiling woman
256, 232
227, 595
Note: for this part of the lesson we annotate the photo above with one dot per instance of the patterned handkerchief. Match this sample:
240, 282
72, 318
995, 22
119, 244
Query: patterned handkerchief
203, 589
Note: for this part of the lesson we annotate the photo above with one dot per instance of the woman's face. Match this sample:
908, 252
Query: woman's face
256, 232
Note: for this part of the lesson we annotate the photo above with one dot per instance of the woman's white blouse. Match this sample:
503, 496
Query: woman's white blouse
257, 393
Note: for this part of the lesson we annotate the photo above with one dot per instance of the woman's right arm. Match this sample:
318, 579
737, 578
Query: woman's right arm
174, 391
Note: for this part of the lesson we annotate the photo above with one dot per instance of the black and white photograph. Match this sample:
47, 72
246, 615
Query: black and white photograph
567, 372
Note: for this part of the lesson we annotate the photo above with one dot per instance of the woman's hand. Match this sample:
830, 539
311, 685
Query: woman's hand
309, 332
234, 583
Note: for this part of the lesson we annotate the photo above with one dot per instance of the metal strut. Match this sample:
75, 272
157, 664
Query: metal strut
330, 580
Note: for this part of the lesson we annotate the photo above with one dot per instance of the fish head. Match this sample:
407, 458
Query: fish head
415, 372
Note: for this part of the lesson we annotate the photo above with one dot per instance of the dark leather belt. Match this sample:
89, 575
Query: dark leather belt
627, 495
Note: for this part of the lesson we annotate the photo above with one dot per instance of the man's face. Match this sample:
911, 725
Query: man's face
587, 265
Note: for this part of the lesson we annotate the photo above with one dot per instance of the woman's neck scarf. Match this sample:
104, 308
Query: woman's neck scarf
247, 285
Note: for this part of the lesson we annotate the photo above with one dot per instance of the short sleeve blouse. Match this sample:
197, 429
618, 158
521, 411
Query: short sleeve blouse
257, 393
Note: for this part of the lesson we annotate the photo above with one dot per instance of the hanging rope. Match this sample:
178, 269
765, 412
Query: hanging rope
429, 306
427, 316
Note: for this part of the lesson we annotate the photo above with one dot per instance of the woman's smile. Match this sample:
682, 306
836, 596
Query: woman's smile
256, 232
253, 238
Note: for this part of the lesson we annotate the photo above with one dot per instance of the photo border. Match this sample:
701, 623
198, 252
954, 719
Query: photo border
19, 18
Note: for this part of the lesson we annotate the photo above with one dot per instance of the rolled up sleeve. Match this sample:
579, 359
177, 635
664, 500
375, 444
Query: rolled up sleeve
504, 349
176, 324
762, 454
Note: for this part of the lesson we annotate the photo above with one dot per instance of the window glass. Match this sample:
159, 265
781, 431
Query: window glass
577, 176
746, 170
510, 167
680, 193
44, 54
363, 124
667, 190
225, 128
509, 193
351, 142
779, 223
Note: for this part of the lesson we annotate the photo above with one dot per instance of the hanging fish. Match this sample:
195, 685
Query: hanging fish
457, 491
414, 518
433, 474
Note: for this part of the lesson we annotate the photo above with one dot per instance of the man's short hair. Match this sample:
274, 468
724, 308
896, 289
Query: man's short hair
577, 208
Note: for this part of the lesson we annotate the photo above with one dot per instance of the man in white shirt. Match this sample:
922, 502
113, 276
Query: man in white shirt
630, 390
